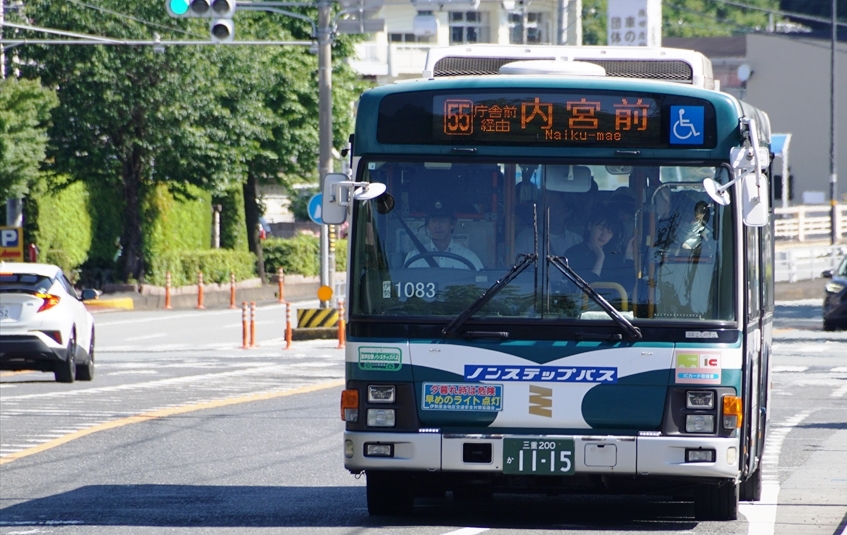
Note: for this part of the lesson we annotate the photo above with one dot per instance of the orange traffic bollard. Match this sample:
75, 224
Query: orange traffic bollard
232, 290
200, 290
281, 285
244, 328
168, 291
253, 324
342, 337
287, 325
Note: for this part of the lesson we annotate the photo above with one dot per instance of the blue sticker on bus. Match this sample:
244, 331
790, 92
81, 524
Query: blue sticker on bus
546, 374
462, 397
687, 125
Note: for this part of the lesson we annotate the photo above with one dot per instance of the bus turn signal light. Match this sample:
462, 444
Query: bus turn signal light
732, 412
350, 405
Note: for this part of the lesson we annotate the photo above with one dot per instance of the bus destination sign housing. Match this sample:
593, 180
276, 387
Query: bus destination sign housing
547, 118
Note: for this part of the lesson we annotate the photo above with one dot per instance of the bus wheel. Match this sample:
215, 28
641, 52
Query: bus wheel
389, 493
751, 489
716, 502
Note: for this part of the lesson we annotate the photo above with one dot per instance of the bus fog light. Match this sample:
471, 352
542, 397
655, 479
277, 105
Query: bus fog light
699, 423
700, 399
699, 456
730, 422
348, 449
381, 393
351, 415
379, 450
731, 455
381, 417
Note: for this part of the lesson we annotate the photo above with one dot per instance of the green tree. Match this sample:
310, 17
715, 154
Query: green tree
820, 8
24, 114
685, 18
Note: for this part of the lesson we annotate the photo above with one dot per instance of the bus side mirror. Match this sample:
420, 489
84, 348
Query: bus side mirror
333, 211
339, 192
755, 201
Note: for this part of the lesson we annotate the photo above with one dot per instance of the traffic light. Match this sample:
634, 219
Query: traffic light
220, 11
222, 30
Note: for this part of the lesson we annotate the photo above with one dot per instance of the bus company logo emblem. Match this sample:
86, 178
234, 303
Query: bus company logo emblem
541, 401
701, 367
536, 374
701, 334
687, 125
386, 359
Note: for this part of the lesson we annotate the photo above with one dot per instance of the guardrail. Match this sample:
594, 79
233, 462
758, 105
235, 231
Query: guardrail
804, 263
809, 222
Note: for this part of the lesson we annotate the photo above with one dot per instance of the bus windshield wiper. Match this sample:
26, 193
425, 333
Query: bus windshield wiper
524, 261
633, 332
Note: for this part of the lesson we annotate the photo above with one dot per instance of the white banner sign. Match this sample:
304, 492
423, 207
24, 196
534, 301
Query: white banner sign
634, 23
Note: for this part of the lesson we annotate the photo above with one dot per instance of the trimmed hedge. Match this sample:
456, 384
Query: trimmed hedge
300, 255
174, 222
61, 227
215, 264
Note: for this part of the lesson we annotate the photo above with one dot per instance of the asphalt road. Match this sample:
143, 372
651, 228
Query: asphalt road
183, 432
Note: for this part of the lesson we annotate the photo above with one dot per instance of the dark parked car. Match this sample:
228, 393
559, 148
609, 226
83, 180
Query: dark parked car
835, 299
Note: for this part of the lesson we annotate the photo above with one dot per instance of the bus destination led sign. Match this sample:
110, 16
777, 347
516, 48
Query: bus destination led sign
559, 118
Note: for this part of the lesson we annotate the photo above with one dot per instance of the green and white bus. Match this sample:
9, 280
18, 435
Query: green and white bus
560, 279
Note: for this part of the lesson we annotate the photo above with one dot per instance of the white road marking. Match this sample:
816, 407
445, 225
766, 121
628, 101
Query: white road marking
761, 516
778, 369
147, 337
467, 531
840, 392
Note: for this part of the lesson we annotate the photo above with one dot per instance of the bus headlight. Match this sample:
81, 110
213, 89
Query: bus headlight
700, 399
381, 393
381, 417
699, 423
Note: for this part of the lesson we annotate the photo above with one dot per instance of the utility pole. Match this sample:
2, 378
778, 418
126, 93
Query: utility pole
325, 126
833, 166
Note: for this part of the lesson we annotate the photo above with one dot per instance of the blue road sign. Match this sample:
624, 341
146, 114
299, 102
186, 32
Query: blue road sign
315, 208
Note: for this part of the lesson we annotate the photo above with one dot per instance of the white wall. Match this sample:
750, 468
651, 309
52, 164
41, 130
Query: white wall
791, 81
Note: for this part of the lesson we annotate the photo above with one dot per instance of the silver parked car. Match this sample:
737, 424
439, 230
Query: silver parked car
44, 324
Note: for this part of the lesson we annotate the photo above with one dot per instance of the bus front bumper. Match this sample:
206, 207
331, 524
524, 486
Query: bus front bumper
667, 456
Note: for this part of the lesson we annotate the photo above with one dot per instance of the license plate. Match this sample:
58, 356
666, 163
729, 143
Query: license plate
5, 312
551, 457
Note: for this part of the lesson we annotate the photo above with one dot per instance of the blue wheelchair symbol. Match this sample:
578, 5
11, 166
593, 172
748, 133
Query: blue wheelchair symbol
687, 125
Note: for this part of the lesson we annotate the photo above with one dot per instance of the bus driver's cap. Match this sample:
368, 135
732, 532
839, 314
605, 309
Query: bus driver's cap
439, 210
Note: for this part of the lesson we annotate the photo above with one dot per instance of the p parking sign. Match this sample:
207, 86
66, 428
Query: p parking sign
11, 244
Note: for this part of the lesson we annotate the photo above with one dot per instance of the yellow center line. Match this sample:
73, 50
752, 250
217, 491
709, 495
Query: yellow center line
18, 372
164, 413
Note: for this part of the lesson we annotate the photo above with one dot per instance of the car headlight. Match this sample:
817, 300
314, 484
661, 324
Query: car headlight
834, 287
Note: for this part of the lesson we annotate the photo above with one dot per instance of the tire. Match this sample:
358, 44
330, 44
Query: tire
751, 489
85, 372
65, 371
716, 502
829, 325
389, 494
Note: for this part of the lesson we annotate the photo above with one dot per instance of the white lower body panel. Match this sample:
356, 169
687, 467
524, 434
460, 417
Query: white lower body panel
644, 456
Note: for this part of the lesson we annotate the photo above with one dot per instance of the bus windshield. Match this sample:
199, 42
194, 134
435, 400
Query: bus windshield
648, 239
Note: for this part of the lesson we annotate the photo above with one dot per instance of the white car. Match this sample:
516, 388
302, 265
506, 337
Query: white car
44, 324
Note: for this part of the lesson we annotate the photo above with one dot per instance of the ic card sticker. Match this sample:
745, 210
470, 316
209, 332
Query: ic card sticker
698, 367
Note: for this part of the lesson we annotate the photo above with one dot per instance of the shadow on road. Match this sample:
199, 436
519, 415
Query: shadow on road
257, 506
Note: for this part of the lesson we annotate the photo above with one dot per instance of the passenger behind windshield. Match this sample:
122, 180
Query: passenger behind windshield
603, 255
561, 239
439, 225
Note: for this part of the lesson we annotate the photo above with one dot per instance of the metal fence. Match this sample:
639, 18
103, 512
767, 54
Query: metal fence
809, 222
804, 263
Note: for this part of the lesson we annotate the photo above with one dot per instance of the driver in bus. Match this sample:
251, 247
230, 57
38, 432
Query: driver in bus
439, 224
